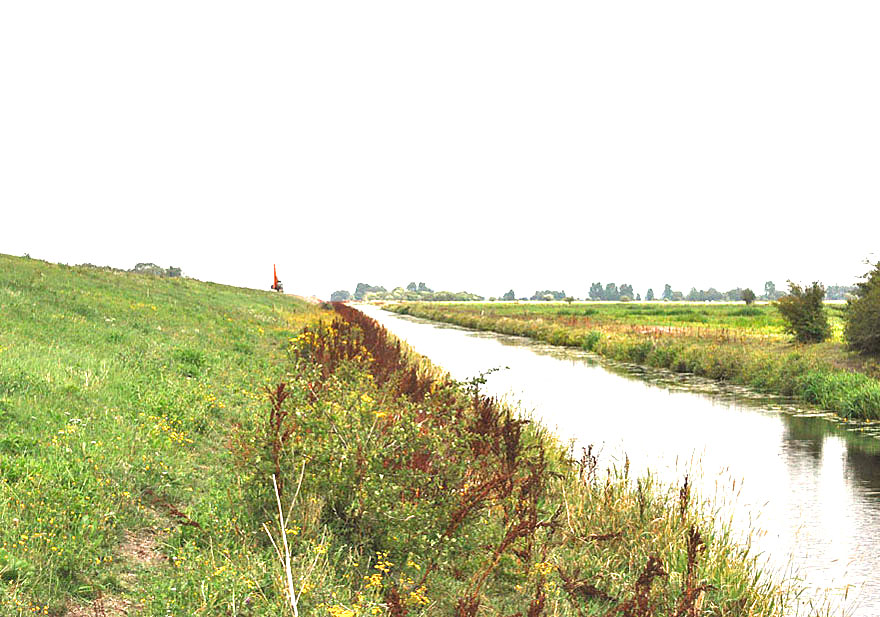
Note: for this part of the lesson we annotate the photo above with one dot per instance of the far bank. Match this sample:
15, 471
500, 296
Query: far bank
734, 343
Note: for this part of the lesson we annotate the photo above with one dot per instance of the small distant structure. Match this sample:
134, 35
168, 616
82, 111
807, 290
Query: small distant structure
277, 286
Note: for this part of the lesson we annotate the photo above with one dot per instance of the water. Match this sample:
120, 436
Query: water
809, 485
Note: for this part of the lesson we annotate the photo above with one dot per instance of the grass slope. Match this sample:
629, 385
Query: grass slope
116, 395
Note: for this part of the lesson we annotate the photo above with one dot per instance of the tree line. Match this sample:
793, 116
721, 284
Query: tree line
612, 292
412, 292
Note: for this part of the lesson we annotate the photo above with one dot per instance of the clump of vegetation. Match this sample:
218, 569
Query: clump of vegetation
804, 313
412, 292
548, 295
862, 330
748, 295
437, 500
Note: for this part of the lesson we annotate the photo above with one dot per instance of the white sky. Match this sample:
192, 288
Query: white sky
468, 144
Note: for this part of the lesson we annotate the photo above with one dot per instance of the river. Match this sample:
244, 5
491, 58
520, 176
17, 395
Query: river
807, 487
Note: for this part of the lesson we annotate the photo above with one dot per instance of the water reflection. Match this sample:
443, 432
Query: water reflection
809, 484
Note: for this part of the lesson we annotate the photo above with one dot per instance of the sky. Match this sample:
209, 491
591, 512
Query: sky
472, 145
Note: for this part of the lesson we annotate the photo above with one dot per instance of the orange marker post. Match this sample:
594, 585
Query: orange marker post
276, 285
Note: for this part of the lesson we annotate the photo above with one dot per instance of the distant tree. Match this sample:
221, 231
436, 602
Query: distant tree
362, 289
423, 287
677, 296
509, 296
638, 297
667, 292
650, 295
804, 314
626, 290
747, 295
548, 294
770, 292
694, 295
412, 287
733, 295
862, 326
611, 293
569, 299
148, 268
340, 296
840, 292
597, 292
713, 295
173, 272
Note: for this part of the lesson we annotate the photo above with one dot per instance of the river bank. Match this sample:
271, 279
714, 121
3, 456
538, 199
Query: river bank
142, 420
818, 375
503, 521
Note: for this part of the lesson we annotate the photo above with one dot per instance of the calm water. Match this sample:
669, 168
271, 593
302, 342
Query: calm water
810, 486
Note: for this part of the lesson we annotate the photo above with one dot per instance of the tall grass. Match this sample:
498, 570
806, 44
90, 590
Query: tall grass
456, 506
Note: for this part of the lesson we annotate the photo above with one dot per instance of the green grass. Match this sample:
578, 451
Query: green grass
743, 345
116, 396
759, 319
138, 443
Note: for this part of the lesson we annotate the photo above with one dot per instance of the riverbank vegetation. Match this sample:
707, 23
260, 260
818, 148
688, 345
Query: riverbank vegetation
150, 428
862, 330
746, 345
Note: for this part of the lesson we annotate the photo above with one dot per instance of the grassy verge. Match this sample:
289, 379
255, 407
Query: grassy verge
437, 501
142, 422
746, 353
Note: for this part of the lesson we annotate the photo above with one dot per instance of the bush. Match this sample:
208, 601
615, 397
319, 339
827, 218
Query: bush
748, 295
862, 329
804, 313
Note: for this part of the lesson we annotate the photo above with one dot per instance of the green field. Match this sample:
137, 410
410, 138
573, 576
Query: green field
142, 420
757, 319
732, 342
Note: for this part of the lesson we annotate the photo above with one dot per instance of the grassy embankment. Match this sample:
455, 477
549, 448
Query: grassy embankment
736, 343
117, 392
139, 437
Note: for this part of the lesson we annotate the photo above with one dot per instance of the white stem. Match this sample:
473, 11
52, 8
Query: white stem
286, 555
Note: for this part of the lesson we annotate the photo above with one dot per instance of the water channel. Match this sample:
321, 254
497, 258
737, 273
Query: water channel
807, 486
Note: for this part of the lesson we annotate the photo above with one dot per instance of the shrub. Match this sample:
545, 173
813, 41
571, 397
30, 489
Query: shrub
749, 311
591, 340
804, 313
748, 295
862, 328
